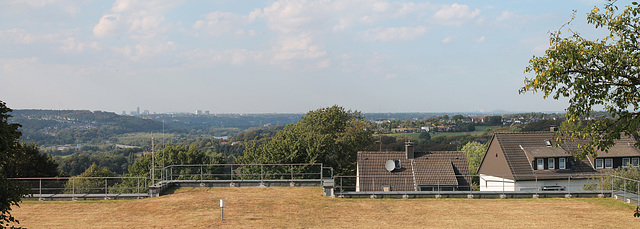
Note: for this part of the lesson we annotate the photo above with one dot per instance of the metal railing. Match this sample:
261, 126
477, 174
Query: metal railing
238, 172
615, 186
81, 187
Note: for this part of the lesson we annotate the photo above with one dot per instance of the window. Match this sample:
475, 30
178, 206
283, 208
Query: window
625, 162
608, 163
599, 164
561, 163
551, 163
548, 143
540, 164
634, 161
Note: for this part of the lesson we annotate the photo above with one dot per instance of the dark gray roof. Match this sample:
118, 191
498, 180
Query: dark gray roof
444, 168
521, 148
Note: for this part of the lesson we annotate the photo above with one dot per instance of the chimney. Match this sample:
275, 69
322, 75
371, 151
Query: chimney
409, 150
553, 128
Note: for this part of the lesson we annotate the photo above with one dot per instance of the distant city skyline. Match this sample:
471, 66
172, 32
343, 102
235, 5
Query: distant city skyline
287, 56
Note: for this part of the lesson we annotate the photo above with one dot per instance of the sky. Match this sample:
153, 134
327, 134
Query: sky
287, 56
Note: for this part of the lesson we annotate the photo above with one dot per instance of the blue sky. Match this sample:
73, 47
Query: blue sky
278, 56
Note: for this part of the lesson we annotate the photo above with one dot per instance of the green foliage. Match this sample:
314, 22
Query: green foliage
475, 152
27, 161
606, 182
331, 136
425, 136
542, 125
10, 192
90, 186
177, 155
594, 73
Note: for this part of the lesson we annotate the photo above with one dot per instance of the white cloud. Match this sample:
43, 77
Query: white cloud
447, 40
107, 25
21, 36
138, 18
70, 45
455, 14
145, 50
505, 16
390, 76
297, 47
480, 39
237, 57
218, 23
397, 33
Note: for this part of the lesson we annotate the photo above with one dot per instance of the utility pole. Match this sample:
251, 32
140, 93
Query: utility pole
153, 165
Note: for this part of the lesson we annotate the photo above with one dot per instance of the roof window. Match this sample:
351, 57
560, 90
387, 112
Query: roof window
548, 143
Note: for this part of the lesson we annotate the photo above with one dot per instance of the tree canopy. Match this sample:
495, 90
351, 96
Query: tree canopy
475, 152
10, 193
330, 135
592, 74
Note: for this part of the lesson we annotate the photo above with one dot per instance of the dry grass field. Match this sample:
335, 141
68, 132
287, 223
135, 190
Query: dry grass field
307, 208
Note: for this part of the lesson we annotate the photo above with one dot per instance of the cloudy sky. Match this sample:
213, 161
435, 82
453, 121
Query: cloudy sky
277, 56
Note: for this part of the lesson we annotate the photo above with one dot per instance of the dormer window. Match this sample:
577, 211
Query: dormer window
599, 164
540, 163
548, 143
608, 163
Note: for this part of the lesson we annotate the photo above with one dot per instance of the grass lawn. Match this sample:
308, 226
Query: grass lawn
285, 207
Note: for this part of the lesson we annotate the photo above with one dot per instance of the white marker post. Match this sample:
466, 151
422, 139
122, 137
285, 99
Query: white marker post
221, 209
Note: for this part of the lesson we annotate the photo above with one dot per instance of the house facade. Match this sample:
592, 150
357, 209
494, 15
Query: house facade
412, 171
530, 161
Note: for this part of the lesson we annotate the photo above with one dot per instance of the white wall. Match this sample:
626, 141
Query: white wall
498, 184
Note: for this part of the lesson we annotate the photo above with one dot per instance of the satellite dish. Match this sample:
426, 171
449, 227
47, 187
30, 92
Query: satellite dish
390, 165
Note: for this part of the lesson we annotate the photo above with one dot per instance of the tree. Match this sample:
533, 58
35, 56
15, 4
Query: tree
177, 155
10, 192
27, 161
475, 152
331, 136
594, 73
90, 186
425, 136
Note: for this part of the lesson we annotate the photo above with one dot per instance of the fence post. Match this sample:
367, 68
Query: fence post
601, 186
232, 173
171, 170
624, 194
438, 185
536, 185
569, 185
200, 173
612, 177
291, 166
105, 188
40, 188
138, 186
261, 173
73, 187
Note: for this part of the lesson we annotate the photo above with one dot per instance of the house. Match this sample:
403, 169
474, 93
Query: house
412, 171
622, 154
529, 161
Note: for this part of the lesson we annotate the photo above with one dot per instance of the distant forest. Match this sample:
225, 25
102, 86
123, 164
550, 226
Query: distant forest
79, 138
